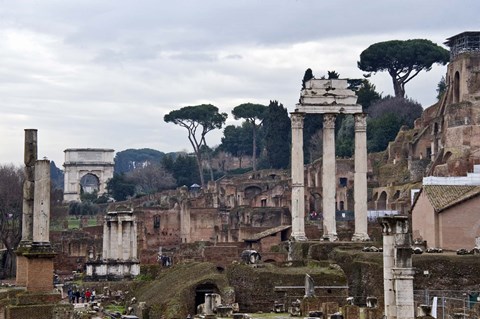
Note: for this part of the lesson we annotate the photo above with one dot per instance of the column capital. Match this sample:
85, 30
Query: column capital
360, 122
329, 120
297, 120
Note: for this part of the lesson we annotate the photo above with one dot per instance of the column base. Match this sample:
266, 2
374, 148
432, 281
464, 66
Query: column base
330, 237
359, 237
299, 237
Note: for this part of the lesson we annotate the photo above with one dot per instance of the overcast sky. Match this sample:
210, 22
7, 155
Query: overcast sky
93, 73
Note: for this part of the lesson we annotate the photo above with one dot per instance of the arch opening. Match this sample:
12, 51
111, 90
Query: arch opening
89, 183
201, 290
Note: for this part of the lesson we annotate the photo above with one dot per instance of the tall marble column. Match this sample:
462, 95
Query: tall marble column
360, 178
30, 157
41, 204
298, 187
329, 178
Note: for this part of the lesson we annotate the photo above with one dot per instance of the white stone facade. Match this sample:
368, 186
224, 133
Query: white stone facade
82, 161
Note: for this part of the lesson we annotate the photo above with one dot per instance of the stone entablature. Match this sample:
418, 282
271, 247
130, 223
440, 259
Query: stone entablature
79, 162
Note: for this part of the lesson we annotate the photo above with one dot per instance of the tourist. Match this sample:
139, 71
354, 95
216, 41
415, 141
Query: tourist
88, 294
70, 295
93, 294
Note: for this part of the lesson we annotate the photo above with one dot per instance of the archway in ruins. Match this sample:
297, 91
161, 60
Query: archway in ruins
382, 201
251, 191
89, 183
201, 290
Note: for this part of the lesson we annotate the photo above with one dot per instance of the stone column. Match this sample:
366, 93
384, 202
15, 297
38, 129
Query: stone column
126, 244
329, 184
30, 157
41, 205
360, 178
134, 240
106, 240
119, 239
398, 271
388, 264
184, 215
298, 187
113, 239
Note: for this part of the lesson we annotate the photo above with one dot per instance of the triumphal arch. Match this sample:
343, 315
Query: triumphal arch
87, 170
330, 98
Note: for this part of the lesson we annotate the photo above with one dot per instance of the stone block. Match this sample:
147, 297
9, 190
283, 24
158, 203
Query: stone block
351, 312
40, 273
329, 308
37, 298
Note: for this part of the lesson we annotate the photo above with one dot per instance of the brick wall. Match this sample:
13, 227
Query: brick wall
39, 274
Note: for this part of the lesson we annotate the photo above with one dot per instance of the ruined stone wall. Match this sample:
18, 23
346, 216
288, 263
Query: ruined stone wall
72, 247
222, 256
205, 224
467, 67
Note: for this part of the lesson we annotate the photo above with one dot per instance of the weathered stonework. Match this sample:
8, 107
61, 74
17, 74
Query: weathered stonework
80, 162
329, 97
119, 258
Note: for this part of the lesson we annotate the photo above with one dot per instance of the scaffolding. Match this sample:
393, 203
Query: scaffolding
462, 43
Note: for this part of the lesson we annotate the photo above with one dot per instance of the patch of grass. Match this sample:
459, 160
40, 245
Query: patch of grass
115, 308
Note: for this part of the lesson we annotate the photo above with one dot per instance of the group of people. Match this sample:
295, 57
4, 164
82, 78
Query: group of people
77, 296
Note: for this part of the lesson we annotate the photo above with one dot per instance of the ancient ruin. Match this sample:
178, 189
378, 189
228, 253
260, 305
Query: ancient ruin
329, 97
206, 244
119, 259
35, 255
87, 170
397, 268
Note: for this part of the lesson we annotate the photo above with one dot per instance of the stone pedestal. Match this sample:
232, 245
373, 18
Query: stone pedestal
37, 268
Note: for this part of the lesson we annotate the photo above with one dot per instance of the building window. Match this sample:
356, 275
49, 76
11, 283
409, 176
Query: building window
263, 202
156, 221
343, 182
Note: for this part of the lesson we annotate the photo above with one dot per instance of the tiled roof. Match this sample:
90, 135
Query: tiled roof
445, 196
267, 232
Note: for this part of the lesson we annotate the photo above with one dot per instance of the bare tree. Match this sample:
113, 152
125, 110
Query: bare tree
151, 178
11, 192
